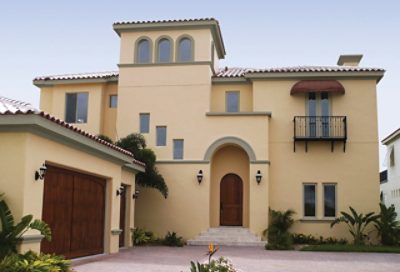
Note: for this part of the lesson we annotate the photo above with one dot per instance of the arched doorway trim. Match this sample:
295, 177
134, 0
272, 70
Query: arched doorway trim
229, 140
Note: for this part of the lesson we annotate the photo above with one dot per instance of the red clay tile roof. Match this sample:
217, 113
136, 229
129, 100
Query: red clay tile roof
13, 107
240, 72
165, 21
223, 72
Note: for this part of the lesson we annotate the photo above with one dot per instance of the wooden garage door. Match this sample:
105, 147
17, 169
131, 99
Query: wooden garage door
73, 206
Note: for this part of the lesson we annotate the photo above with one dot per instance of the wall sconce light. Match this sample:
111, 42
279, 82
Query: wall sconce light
120, 190
200, 176
258, 176
39, 174
136, 194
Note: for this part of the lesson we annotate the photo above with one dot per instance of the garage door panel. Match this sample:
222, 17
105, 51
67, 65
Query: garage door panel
73, 206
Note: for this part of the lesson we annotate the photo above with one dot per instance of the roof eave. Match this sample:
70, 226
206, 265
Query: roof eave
52, 82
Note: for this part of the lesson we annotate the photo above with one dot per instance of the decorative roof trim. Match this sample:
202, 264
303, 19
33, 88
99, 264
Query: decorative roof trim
391, 137
213, 24
102, 77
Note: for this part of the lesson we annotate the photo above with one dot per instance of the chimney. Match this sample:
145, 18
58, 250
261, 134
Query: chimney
349, 60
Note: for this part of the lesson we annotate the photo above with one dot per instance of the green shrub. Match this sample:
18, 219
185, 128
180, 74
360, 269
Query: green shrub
277, 234
32, 262
11, 233
172, 240
302, 239
387, 225
219, 265
141, 236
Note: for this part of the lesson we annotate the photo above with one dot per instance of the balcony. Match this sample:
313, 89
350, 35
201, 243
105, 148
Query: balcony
320, 128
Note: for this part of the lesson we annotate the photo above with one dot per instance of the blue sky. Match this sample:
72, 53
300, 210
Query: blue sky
56, 37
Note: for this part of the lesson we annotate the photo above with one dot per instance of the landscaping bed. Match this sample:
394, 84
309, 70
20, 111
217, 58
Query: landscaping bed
352, 248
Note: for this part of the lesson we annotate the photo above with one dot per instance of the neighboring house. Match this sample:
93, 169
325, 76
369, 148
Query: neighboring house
390, 187
231, 143
67, 177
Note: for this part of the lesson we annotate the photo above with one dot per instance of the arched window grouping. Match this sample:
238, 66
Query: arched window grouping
164, 50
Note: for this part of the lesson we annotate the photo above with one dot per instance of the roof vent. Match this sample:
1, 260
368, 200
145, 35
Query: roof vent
349, 60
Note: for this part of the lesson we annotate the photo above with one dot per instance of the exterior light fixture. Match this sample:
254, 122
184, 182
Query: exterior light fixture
39, 174
258, 176
120, 190
136, 194
200, 176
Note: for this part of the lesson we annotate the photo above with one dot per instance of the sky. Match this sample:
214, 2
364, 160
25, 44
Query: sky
57, 37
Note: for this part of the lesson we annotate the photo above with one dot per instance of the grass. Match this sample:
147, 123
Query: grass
352, 248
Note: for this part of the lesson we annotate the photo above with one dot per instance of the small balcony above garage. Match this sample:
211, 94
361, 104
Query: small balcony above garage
330, 129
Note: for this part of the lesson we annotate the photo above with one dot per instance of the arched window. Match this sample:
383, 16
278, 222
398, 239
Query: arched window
164, 50
185, 50
143, 54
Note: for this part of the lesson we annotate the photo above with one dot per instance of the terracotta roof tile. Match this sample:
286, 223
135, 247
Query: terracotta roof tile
14, 107
99, 75
165, 21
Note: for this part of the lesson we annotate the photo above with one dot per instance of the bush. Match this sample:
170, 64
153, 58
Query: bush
141, 236
172, 240
277, 234
220, 265
387, 225
32, 262
302, 239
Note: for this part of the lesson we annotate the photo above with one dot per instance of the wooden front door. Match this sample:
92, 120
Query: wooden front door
73, 206
122, 218
231, 200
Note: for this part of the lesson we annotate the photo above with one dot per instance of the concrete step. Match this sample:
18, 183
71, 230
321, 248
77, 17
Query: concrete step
229, 236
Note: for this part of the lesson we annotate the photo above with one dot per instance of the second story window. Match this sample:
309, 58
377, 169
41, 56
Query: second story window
232, 101
113, 103
318, 111
164, 51
144, 122
178, 149
76, 110
143, 54
185, 50
161, 136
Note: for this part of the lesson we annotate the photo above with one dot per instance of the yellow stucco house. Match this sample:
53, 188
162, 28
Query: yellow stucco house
231, 142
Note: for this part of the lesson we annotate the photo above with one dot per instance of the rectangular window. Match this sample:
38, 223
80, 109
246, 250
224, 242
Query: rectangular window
113, 101
76, 107
144, 123
329, 200
161, 136
309, 200
232, 101
178, 150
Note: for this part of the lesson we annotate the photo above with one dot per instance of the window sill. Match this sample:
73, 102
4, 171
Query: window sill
317, 220
243, 113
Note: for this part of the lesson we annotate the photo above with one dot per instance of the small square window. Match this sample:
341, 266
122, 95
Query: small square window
232, 101
309, 200
161, 136
113, 101
144, 122
178, 150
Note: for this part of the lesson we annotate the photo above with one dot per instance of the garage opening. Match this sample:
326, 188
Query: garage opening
74, 208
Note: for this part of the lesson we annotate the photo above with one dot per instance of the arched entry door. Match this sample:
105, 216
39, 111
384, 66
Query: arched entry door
231, 201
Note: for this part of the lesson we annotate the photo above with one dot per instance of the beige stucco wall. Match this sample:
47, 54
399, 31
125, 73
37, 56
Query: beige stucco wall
109, 115
218, 94
24, 153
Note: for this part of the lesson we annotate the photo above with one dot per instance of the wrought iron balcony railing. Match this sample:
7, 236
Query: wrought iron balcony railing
320, 128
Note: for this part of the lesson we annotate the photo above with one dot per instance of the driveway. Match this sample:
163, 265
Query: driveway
247, 259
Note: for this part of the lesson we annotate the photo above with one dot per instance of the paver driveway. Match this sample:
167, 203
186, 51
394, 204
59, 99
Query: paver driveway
160, 259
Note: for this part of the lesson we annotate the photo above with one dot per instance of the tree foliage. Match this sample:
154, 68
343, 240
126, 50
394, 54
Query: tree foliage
277, 234
136, 144
357, 224
387, 225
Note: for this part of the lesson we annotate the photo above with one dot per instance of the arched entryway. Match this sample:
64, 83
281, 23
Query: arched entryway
231, 200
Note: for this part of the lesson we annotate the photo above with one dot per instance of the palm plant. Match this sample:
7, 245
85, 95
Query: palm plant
356, 223
11, 234
277, 233
387, 226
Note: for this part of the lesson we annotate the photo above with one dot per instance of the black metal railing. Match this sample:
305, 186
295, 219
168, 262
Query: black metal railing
320, 128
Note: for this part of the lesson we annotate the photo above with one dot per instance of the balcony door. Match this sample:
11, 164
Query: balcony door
318, 111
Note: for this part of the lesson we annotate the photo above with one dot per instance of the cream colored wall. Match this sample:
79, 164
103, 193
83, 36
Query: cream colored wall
128, 178
228, 160
27, 152
355, 172
53, 101
109, 120
218, 94
185, 211
202, 39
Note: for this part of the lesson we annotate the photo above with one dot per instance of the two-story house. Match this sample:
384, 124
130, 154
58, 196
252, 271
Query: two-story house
231, 143
390, 178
